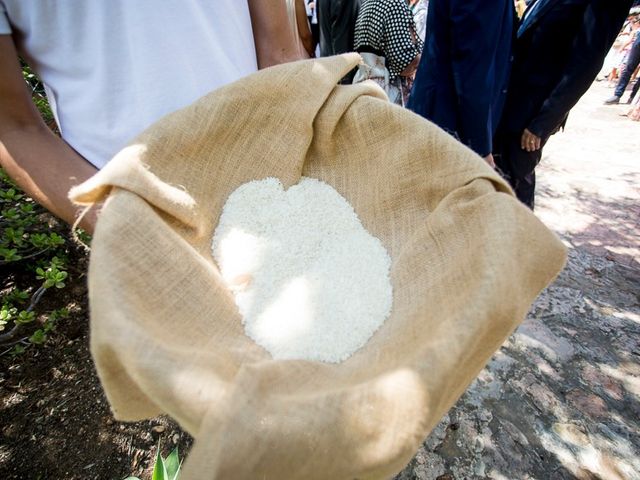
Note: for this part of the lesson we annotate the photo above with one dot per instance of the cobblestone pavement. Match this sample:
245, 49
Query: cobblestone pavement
561, 399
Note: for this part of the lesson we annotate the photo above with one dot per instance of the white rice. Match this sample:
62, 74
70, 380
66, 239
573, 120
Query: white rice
309, 281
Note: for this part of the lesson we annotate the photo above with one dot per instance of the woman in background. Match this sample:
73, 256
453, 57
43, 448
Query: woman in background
386, 37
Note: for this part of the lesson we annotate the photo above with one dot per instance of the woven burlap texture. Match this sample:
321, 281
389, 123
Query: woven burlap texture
467, 261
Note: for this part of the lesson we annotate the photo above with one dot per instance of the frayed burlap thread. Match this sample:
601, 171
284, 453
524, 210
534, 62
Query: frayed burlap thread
467, 261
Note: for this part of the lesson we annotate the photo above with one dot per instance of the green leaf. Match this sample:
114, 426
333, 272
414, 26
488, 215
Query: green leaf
61, 312
10, 254
57, 314
10, 194
26, 208
4, 177
38, 337
38, 240
55, 240
172, 465
10, 213
56, 262
15, 235
7, 312
159, 470
25, 317
17, 350
17, 295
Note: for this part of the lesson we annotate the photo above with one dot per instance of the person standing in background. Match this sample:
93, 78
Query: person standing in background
619, 51
386, 38
560, 48
464, 70
337, 21
630, 65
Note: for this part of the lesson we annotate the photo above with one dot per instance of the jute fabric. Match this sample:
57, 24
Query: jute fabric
467, 261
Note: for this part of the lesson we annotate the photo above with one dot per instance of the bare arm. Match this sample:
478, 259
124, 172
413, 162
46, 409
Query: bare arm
42, 164
412, 67
274, 44
304, 30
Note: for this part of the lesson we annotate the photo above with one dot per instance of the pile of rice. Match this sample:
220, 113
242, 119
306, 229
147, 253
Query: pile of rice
309, 281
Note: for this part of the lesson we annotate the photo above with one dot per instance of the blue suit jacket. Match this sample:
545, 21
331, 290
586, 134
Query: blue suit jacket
464, 70
559, 51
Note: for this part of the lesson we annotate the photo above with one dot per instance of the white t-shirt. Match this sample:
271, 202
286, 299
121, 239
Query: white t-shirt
113, 67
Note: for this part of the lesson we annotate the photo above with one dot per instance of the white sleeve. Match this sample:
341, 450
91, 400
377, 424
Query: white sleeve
5, 26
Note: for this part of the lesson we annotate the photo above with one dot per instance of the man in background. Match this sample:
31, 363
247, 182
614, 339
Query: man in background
560, 48
463, 73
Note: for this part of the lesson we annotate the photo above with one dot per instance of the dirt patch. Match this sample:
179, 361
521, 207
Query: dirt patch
56, 422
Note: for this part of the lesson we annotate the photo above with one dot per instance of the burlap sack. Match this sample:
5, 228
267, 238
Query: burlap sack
468, 260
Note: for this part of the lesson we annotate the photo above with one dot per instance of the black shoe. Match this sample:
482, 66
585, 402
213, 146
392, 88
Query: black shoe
612, 101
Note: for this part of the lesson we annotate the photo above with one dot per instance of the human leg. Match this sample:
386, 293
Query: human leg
629, 67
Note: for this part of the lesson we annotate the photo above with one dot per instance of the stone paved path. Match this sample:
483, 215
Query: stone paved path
561, 399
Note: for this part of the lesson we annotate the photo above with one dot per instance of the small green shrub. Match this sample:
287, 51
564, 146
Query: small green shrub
165, 468
34, 252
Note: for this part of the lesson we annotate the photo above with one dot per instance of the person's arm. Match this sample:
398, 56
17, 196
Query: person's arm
304, 30
274, 44
601, 24
410, 69
41, 163
476, 27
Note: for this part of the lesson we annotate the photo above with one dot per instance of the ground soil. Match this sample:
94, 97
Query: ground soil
56, 422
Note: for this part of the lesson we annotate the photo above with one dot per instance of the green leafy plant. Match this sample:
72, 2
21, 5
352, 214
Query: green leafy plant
53, 276
34, 252
165, 468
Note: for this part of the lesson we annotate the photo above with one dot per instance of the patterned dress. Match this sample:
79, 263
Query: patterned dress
385, 35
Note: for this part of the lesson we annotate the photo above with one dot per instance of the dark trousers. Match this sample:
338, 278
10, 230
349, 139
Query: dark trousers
517, 166
629, 67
